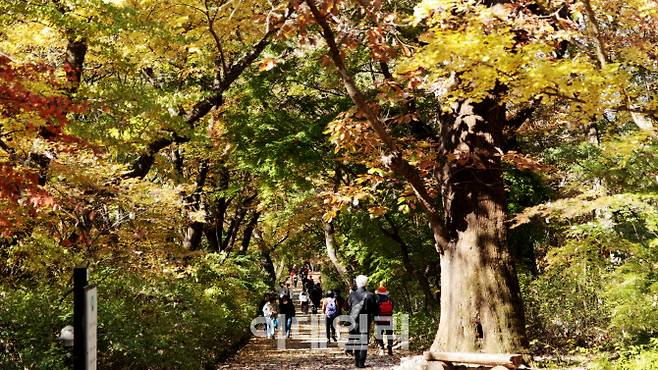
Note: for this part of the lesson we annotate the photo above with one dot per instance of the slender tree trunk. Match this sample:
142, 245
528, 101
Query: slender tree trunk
234, 227
249, 232
424, 284
481, 308
194, 231
330, 237
76, 50
215, 230
268, 265
331, 246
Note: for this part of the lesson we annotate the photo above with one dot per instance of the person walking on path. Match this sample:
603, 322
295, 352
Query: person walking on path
287, 309
316, 296
384, 321
303, 301
303, 274
363, 308
309, 284
331, 311
281, 291
287, 291
270, 311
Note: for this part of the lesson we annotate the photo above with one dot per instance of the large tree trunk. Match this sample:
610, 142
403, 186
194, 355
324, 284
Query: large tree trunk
481, 308
480, 303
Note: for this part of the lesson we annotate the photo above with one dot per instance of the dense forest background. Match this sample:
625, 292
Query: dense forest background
189, 151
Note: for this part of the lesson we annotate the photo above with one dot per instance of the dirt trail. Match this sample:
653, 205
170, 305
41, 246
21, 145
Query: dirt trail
306, 350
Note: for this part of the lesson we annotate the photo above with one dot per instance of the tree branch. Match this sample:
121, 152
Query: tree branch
392, 157
143, 164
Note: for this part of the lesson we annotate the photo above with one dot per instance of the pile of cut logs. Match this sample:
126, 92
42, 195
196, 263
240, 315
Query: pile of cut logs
465, 360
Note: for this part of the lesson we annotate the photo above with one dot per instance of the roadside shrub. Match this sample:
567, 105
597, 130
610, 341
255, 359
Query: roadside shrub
422, 329
187, 318
640, 357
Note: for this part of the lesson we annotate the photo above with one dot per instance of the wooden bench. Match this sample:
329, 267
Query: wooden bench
497, 361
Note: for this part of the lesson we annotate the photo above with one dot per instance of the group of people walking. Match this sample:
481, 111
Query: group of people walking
363, 307
272, 308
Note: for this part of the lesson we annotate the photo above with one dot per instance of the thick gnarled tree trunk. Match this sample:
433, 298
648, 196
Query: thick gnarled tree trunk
481, 309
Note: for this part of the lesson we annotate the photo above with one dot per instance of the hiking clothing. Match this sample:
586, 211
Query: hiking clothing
363, 308
384, 321
330, 329
287, 309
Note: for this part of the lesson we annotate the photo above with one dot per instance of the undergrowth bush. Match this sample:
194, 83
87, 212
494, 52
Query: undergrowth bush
598, 292
187, 318
635, 357
422, 329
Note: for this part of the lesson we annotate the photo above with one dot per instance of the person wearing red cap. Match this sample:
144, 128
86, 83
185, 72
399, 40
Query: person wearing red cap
384, 321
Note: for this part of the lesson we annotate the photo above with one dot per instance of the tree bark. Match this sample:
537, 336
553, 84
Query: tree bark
215, 230
480, 303
330, 243
194, 231
394, 234
481, 309
249, 232
330, 236
268, 265
76, 50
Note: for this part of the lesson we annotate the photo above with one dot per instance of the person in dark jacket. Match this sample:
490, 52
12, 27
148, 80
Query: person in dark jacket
316, 296
287, 308
363, 309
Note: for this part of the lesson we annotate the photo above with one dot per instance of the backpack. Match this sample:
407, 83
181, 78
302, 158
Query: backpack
386, 308
331, 309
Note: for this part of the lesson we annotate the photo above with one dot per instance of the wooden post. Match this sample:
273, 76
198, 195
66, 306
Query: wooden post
510, 361
79, 343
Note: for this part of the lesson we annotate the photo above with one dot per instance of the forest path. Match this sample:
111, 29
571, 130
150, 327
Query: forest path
306, 350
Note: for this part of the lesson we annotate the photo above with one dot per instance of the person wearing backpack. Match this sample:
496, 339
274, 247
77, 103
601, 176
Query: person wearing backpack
384, 321
330, 310
363, 308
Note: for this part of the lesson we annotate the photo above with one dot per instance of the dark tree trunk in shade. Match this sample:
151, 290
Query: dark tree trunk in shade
76, 50
194, 232
421, 278
249, 232
215, 229
268, 265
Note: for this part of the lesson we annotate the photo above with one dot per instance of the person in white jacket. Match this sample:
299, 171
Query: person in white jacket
303, 301
271, 311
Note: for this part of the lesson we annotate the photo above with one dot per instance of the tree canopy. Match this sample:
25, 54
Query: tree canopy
493, 163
